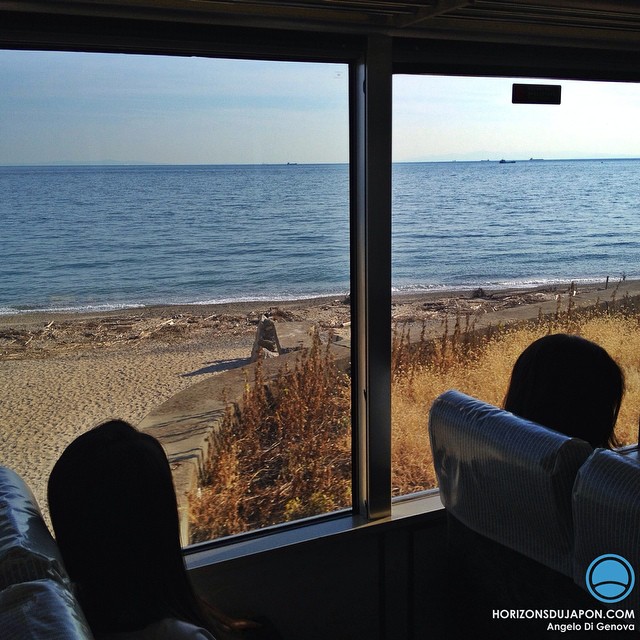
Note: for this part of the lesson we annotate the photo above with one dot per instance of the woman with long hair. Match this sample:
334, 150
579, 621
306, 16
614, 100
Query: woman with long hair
569, 384
114, 512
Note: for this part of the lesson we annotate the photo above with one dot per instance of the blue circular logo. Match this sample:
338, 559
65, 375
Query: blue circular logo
610, 578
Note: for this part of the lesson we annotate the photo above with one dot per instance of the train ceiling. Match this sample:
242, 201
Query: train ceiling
613, 24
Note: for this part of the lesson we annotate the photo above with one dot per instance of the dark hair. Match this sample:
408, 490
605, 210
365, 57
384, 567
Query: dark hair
568, 384
114, 512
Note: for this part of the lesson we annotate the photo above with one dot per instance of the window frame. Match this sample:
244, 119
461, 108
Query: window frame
369, 63
372, 61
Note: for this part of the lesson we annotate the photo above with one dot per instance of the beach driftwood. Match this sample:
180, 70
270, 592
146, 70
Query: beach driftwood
266, 343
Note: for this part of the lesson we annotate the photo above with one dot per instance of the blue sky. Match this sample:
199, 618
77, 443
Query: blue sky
65, 107
473, 119
82, 107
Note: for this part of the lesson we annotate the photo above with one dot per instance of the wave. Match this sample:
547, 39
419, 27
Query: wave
107, 307
88, 308
408, 288
527, 283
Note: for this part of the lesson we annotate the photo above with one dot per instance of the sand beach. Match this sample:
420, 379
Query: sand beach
63, 373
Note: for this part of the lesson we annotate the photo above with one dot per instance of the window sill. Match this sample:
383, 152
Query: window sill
425, 504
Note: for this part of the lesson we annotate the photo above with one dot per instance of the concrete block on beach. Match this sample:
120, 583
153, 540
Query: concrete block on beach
266, 343
275, 338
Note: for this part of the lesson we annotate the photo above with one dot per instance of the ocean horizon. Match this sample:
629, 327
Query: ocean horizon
149, 163
103, 237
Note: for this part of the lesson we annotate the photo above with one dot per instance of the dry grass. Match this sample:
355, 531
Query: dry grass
281, 454
480, 365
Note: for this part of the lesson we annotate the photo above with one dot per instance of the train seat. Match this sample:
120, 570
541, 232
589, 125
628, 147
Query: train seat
606, 513
506, 486
36, 598
27, 549
505, 478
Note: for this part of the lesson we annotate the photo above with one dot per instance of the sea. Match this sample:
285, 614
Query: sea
90, 238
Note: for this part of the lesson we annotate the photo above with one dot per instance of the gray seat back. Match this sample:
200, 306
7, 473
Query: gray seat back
606, 512
27, 549
36, 598
506, 478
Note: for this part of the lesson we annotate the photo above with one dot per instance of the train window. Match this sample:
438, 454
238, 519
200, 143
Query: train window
173, 231
509, 221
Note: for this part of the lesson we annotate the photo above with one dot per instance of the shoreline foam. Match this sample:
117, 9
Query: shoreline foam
408, 289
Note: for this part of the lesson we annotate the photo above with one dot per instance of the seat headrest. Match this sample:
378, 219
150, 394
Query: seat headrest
42, 610
27, 549
606, 512
506, 478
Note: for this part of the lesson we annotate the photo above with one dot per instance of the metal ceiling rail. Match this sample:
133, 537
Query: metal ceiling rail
538, 14
613, 25
439, 8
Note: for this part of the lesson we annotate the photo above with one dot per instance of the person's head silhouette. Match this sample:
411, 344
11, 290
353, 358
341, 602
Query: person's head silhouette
569, 384
114, 512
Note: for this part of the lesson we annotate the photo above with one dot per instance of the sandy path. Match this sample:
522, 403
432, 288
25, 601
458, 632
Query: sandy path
46, 403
